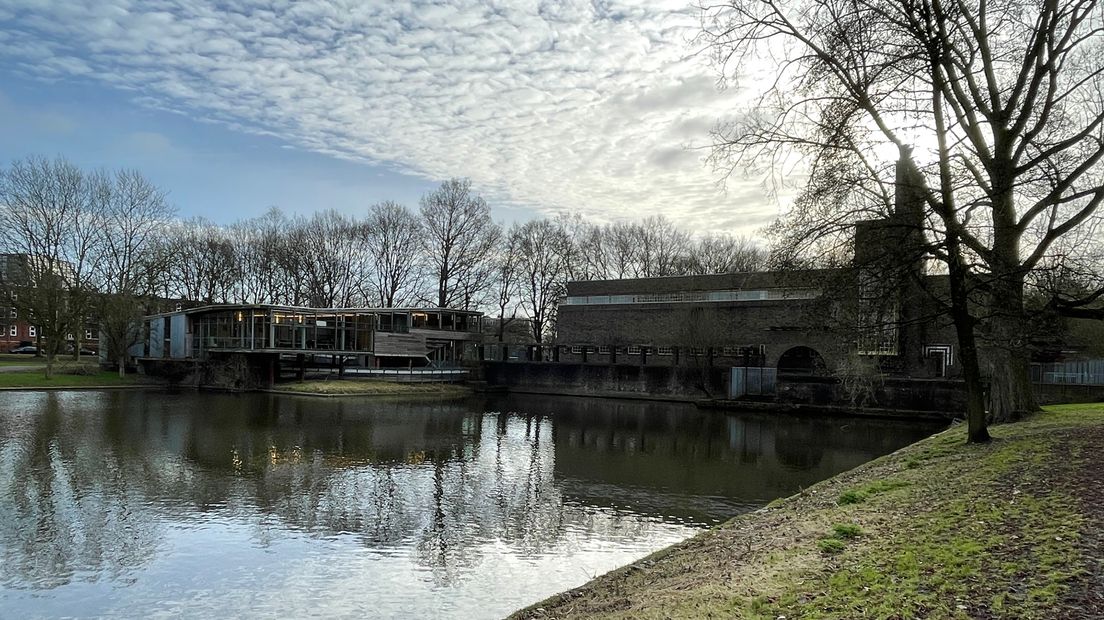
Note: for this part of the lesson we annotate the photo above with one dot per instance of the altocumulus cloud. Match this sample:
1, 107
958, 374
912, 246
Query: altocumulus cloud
554, 105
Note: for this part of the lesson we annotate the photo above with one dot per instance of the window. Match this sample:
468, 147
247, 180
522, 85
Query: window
692, 297
32, 331
14, 313
576, 349
604, 349
664, 350
88, 334
634, 349
13, 331
69, 336
697, 351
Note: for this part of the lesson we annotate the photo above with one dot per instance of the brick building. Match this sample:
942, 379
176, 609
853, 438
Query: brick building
884, 310
16, 330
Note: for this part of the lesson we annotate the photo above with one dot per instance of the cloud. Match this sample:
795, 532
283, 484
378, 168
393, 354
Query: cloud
557, 105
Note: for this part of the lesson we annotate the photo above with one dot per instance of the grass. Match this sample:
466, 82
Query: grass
36, 379
846, 531
860, 495
370, 387
18, 359
939, 529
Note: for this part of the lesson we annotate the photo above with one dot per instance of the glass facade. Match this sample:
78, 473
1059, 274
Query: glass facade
774, 294
273, 328
252, 328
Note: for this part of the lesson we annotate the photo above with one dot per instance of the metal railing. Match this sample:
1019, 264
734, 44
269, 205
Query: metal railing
1085, 372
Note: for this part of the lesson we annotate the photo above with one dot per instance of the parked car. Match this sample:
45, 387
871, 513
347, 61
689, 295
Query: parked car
30, 350
83, 351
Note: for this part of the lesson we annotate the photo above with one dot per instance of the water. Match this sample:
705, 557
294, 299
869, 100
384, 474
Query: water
145, 504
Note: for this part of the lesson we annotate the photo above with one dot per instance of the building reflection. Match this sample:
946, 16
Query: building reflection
90, 483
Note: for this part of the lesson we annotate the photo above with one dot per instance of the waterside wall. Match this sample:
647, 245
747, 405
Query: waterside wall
693, 384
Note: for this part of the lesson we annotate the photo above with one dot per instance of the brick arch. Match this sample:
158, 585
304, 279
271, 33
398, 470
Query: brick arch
828, 349
801, 359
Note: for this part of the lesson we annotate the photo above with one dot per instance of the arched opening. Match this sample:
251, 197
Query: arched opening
801, 361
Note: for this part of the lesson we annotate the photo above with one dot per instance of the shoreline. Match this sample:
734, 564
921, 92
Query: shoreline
725, 405
371, 388
83, 388
937, 529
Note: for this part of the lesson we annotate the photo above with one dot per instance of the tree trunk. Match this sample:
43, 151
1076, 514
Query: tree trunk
122, 366
1010, 394
977, 426
1009, 355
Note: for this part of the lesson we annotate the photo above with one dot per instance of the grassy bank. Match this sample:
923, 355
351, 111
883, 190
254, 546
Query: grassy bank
35, 379
15, 359
937, 530
371, 387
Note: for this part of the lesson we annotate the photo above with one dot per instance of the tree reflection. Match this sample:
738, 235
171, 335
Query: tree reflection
90, 485
67, 501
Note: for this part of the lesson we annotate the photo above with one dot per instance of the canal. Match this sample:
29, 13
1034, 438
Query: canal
136, 504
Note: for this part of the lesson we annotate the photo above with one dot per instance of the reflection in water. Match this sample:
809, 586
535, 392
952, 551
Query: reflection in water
126, 504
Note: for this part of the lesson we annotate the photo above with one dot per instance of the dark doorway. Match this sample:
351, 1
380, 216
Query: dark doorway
801, 361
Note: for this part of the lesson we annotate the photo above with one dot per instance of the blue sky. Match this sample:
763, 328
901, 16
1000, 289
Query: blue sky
601, 108
209, 170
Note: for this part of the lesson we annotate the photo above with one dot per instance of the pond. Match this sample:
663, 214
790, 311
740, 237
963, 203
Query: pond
138, 504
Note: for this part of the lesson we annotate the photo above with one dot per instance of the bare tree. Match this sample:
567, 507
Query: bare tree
335, 256
135, 215
542, 247
261, 250
507, 281
661, 248
394, 237
49, 215
619, 250
996, 109
724, 254
203, 262
584, 258
459, 237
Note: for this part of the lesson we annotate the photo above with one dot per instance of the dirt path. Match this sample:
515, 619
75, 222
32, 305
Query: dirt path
1086, 597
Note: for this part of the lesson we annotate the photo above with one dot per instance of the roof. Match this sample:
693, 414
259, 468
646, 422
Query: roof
306, 310
712, 282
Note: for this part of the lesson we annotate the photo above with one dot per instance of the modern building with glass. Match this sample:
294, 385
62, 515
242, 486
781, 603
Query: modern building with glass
376, 337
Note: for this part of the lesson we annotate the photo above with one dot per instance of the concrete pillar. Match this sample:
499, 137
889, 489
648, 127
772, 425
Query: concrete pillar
300, 366
584, 350
675, 356
613, 354
556, 353
643, 356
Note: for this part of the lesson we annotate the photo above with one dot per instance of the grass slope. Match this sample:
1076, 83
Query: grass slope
36, 379
369, 387
939, 529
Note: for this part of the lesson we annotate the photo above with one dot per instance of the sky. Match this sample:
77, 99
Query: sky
601, 108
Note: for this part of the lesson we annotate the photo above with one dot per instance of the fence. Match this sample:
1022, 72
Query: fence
752, 381
1086, 372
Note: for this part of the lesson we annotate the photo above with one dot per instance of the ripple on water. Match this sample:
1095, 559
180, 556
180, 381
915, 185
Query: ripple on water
122, 505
